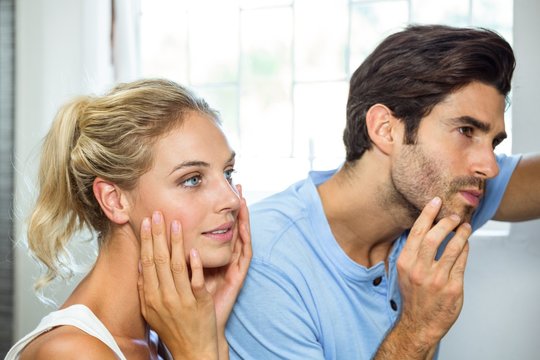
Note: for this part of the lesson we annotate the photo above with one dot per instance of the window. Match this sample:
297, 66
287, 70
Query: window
278, 70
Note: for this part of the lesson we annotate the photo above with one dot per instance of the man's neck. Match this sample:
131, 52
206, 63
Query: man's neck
361, 218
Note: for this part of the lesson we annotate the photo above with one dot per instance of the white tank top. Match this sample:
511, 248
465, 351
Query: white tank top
76, 315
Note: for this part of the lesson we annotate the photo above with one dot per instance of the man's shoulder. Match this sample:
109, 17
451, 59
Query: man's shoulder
278, 211
279, 224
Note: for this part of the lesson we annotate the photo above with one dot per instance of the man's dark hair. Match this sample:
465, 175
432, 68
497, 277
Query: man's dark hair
413, 70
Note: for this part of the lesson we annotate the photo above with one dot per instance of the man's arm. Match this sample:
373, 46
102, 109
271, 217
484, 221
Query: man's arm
521, 200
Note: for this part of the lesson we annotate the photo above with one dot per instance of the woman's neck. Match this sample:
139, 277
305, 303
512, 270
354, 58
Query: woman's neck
110, 288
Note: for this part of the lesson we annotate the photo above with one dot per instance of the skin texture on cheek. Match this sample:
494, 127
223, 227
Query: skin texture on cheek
416, 178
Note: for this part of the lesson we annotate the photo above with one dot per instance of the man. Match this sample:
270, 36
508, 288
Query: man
368, 261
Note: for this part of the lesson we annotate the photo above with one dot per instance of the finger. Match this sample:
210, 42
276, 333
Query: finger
239, 238
197, 276
422, 225
162, 256
148, 267
454, 248
178, 261
235, 245
142, 300
434, 238
239, 190
458, 270
245, 235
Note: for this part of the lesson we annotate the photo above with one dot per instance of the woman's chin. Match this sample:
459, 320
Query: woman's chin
216, 260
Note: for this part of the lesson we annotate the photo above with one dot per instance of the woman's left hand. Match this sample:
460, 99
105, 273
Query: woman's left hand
224, 283
182, 309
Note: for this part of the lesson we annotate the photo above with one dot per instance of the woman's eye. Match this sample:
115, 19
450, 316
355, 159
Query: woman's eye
192, 181
229, 174
466, 130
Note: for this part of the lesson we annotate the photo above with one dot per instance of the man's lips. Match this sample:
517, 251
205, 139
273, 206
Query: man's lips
472, 196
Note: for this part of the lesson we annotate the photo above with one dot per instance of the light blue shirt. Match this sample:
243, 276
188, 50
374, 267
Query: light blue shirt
304, 298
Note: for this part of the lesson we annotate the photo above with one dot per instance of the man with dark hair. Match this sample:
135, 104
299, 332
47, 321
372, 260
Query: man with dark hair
367, 261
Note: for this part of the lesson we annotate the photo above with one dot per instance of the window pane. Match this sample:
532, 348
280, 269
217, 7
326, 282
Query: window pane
254, 4
266, 80
263, 176
163, 40
455, 12
494, 14
370, 23
213, 45
224, 100
320, 54
319, 120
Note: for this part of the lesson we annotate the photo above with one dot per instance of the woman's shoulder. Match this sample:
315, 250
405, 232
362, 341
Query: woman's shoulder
67, 342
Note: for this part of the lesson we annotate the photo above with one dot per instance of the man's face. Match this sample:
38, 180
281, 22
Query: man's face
453, 154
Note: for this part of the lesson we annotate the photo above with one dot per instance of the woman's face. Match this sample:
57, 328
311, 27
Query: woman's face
191, 181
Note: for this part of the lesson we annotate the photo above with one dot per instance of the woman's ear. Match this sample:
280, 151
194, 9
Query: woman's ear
112, 200
381, 125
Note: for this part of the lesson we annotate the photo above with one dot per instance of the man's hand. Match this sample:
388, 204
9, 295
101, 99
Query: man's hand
432, 290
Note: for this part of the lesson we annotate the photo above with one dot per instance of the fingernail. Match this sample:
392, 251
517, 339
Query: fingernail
436, 201
140, 268
146, 223
194, 253
174, 226
156, 217
455, 217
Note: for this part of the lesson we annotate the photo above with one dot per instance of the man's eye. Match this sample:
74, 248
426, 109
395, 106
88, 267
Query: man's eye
466, 130
192, 181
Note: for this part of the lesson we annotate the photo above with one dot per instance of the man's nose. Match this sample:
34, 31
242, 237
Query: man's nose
485, 163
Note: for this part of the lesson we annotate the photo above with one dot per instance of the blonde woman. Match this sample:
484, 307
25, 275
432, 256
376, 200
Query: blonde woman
148, 169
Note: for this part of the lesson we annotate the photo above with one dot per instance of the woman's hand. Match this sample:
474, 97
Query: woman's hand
180, 310
190, 315
224, 283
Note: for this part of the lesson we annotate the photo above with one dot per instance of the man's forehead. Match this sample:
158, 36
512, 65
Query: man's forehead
478, 104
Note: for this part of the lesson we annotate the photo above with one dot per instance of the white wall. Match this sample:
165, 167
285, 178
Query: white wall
500, 319
62, 50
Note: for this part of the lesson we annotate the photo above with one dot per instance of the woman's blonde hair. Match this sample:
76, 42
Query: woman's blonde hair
110, 137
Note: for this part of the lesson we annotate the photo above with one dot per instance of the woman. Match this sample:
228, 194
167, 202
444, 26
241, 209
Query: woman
108, 164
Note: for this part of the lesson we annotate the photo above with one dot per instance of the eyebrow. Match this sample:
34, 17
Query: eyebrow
198, 163
480, 125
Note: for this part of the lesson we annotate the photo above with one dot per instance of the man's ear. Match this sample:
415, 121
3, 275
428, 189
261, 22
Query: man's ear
112, 200
381, 123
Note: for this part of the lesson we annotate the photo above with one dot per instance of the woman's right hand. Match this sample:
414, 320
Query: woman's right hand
180, 310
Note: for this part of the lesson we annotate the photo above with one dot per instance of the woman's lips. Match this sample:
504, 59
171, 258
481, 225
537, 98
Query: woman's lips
222, 233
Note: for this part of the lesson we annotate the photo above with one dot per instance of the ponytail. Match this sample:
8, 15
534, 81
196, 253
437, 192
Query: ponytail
57, 216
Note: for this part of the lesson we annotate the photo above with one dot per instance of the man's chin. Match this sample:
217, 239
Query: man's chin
465, 213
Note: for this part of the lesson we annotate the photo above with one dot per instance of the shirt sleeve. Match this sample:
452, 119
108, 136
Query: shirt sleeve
270, 320
495, 189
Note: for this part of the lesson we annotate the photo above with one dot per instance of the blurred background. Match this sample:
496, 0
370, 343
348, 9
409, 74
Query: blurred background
278, 71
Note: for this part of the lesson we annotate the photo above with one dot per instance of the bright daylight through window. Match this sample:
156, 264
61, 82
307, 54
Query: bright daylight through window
278, 70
